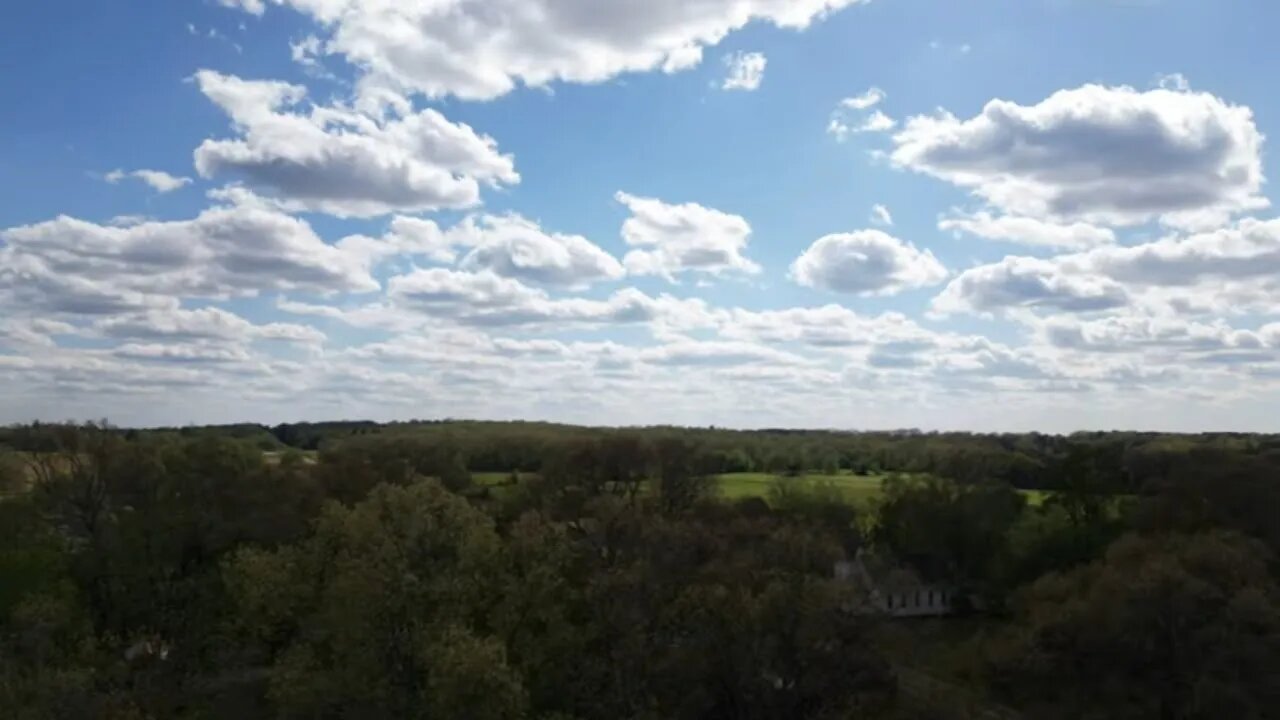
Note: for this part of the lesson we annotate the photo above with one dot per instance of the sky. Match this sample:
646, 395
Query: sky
990, 215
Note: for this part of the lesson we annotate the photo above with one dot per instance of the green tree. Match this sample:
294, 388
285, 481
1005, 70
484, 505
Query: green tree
681, 479
949, 532
1168, 628
388, 611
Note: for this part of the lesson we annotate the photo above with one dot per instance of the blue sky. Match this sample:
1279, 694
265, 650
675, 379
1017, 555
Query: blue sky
559, 209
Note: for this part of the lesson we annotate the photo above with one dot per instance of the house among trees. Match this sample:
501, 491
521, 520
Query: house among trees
894, 589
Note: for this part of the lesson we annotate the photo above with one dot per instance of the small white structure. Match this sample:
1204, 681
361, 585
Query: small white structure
895, 590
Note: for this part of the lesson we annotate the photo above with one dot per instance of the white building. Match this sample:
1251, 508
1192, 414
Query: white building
895, 590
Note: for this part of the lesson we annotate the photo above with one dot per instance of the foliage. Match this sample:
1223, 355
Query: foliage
1162, 627
508, 570
957, 534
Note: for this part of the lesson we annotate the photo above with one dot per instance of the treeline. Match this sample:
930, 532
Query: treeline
1029, 461
161, 574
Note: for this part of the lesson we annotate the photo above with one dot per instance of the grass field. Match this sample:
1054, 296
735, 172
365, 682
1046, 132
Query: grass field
490, 479
859, 490
272, 457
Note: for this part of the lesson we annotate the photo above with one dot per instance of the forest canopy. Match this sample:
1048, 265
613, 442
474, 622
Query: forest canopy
528, 570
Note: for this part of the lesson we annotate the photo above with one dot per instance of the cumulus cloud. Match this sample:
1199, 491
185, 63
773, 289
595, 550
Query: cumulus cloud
1129, 333
72, 266
306, 52
982, 357
406, 238
203, 324
479, 51
160, 181
1233, 269
827, 326
508, 245
1029, 231
127, 220
182, 353
866, 262
673, 239
841, 126
746, 71
851, 117
514, 247
880, 215
716, 353
29, 333
1103, 155
255, 7
1028, 283
1248, 250
486, 298
867, 100
342, 161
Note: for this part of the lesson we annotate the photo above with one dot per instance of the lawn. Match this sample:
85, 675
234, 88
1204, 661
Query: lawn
857, 489
860, 490
273, 457
490, 479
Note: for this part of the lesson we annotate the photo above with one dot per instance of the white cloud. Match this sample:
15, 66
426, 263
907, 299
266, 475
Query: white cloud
869, 99
746, 71
1103, 155
716, 353
183, 353
159, 180
1173, 81
827, 326
127, 220
308, 53
1230, 270
880, 215
255, 7
424, 298
1249, 250
72, 266
673, 239
406, 238
1029, 231
469, 292
877, 122
482, 50
31, 333
344, 162
851, 117
512, 246
486, 298
509, 245
1028, 283
203, 324
1129, 333
866, 262
177, 324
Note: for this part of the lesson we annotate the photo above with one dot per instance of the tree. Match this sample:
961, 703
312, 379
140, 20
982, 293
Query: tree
1183, 627
681, 480
948, 532
1088, 478
393, 606
819, 502
624, 458
1045, 540
788, 649
13, 474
